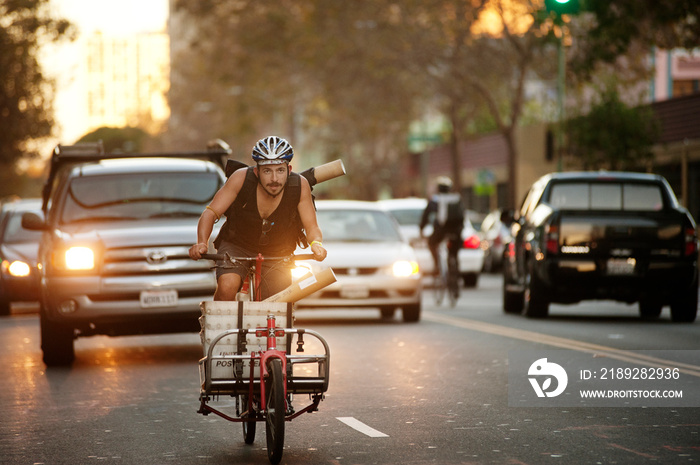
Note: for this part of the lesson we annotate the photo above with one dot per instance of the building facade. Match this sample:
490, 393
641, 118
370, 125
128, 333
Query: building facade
126, 81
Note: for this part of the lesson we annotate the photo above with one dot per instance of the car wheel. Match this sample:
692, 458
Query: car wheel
4, 306
470, 279
411, 313
387, 312
56, 342
650, 309
685, 308
488, 263
512, 301
534, 301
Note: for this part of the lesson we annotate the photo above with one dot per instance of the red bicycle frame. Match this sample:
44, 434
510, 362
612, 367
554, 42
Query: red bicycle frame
271, 352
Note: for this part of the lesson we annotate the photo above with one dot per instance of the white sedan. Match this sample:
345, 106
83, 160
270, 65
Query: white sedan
408, 213
373, 264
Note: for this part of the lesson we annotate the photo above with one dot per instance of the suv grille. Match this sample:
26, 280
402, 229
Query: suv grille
151, 260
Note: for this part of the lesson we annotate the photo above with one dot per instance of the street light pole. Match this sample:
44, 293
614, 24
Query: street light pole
561, 89
557, 9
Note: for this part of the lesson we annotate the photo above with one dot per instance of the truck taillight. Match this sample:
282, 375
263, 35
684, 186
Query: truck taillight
691, 242
551, 238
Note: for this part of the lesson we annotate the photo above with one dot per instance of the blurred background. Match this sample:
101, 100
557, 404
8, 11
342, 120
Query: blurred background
493, 93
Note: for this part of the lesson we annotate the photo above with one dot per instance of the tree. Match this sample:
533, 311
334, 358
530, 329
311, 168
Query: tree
26, 94
127, 140
618, 24
440, 35
613, 135
479, 55
326, 75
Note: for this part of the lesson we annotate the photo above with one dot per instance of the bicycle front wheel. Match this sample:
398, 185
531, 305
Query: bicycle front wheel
274, 410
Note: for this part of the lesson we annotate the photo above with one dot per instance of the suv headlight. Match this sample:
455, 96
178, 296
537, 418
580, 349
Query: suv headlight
17, 268
75, 258
80, 258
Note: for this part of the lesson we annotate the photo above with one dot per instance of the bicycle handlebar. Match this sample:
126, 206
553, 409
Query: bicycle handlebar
221, 256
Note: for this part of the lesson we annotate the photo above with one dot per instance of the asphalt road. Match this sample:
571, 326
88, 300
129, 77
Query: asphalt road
433, 392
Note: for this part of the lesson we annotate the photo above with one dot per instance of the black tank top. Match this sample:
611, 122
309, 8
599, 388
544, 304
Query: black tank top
243, 225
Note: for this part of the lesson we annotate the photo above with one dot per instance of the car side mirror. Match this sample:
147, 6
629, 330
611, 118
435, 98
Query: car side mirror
33, 222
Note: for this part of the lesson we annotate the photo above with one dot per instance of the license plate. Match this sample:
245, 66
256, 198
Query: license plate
152, 299
621, 266
354, 292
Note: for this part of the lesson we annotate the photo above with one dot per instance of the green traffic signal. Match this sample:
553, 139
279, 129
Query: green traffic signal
562, 7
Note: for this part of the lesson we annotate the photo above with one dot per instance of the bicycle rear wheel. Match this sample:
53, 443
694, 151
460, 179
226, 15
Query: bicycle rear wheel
440, 284
274, 411
453, 281
248, 426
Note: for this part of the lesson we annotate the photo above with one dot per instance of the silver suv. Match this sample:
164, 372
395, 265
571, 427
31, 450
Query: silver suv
113, 257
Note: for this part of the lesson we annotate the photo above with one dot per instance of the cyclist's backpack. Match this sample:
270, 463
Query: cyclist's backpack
450, 210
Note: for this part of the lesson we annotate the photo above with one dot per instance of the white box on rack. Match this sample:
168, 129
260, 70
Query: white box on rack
220, 316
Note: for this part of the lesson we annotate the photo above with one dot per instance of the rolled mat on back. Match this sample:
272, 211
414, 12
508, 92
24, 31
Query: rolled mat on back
304, 287
329, 171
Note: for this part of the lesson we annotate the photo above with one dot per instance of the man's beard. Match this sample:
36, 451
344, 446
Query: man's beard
273, 185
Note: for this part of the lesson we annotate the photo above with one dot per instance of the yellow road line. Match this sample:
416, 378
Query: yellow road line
564, 343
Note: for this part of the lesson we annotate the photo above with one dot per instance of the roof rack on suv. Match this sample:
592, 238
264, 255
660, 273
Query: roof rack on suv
89, 151
216, 151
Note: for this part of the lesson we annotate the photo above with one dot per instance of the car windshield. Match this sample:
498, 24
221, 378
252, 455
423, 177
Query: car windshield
139, 196
406, 216
357, 226
14, 232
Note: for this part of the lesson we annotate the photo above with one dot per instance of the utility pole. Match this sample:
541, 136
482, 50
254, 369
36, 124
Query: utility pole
560, 8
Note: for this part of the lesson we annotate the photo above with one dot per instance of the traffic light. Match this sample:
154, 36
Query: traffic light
562, 7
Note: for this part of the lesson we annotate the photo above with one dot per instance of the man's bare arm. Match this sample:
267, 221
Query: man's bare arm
218, 206
307, 213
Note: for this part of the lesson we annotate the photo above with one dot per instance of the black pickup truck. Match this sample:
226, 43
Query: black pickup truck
601, 235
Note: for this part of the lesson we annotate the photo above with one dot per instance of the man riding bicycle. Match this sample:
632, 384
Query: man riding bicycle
269, 210
447, 211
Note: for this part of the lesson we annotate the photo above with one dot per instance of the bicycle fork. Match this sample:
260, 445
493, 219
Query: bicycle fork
272, 334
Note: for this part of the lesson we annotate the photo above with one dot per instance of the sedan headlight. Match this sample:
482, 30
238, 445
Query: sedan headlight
300, 270
17, 269
404, 269
80, 258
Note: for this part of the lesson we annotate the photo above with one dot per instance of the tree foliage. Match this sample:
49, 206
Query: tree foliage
351, 76
478, 57
613, 135
26, 94
618, 24
345, 79
327, 75
127, 140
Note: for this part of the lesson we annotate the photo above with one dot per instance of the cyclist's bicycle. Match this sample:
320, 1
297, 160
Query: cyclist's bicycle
447, 279
248, 356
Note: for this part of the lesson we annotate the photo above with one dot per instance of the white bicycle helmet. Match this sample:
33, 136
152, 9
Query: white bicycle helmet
444, 182
272, 150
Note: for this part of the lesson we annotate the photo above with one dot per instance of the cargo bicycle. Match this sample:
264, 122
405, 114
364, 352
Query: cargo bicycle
248, 356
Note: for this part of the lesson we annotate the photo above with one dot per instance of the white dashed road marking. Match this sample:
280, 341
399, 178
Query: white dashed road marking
362, 428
